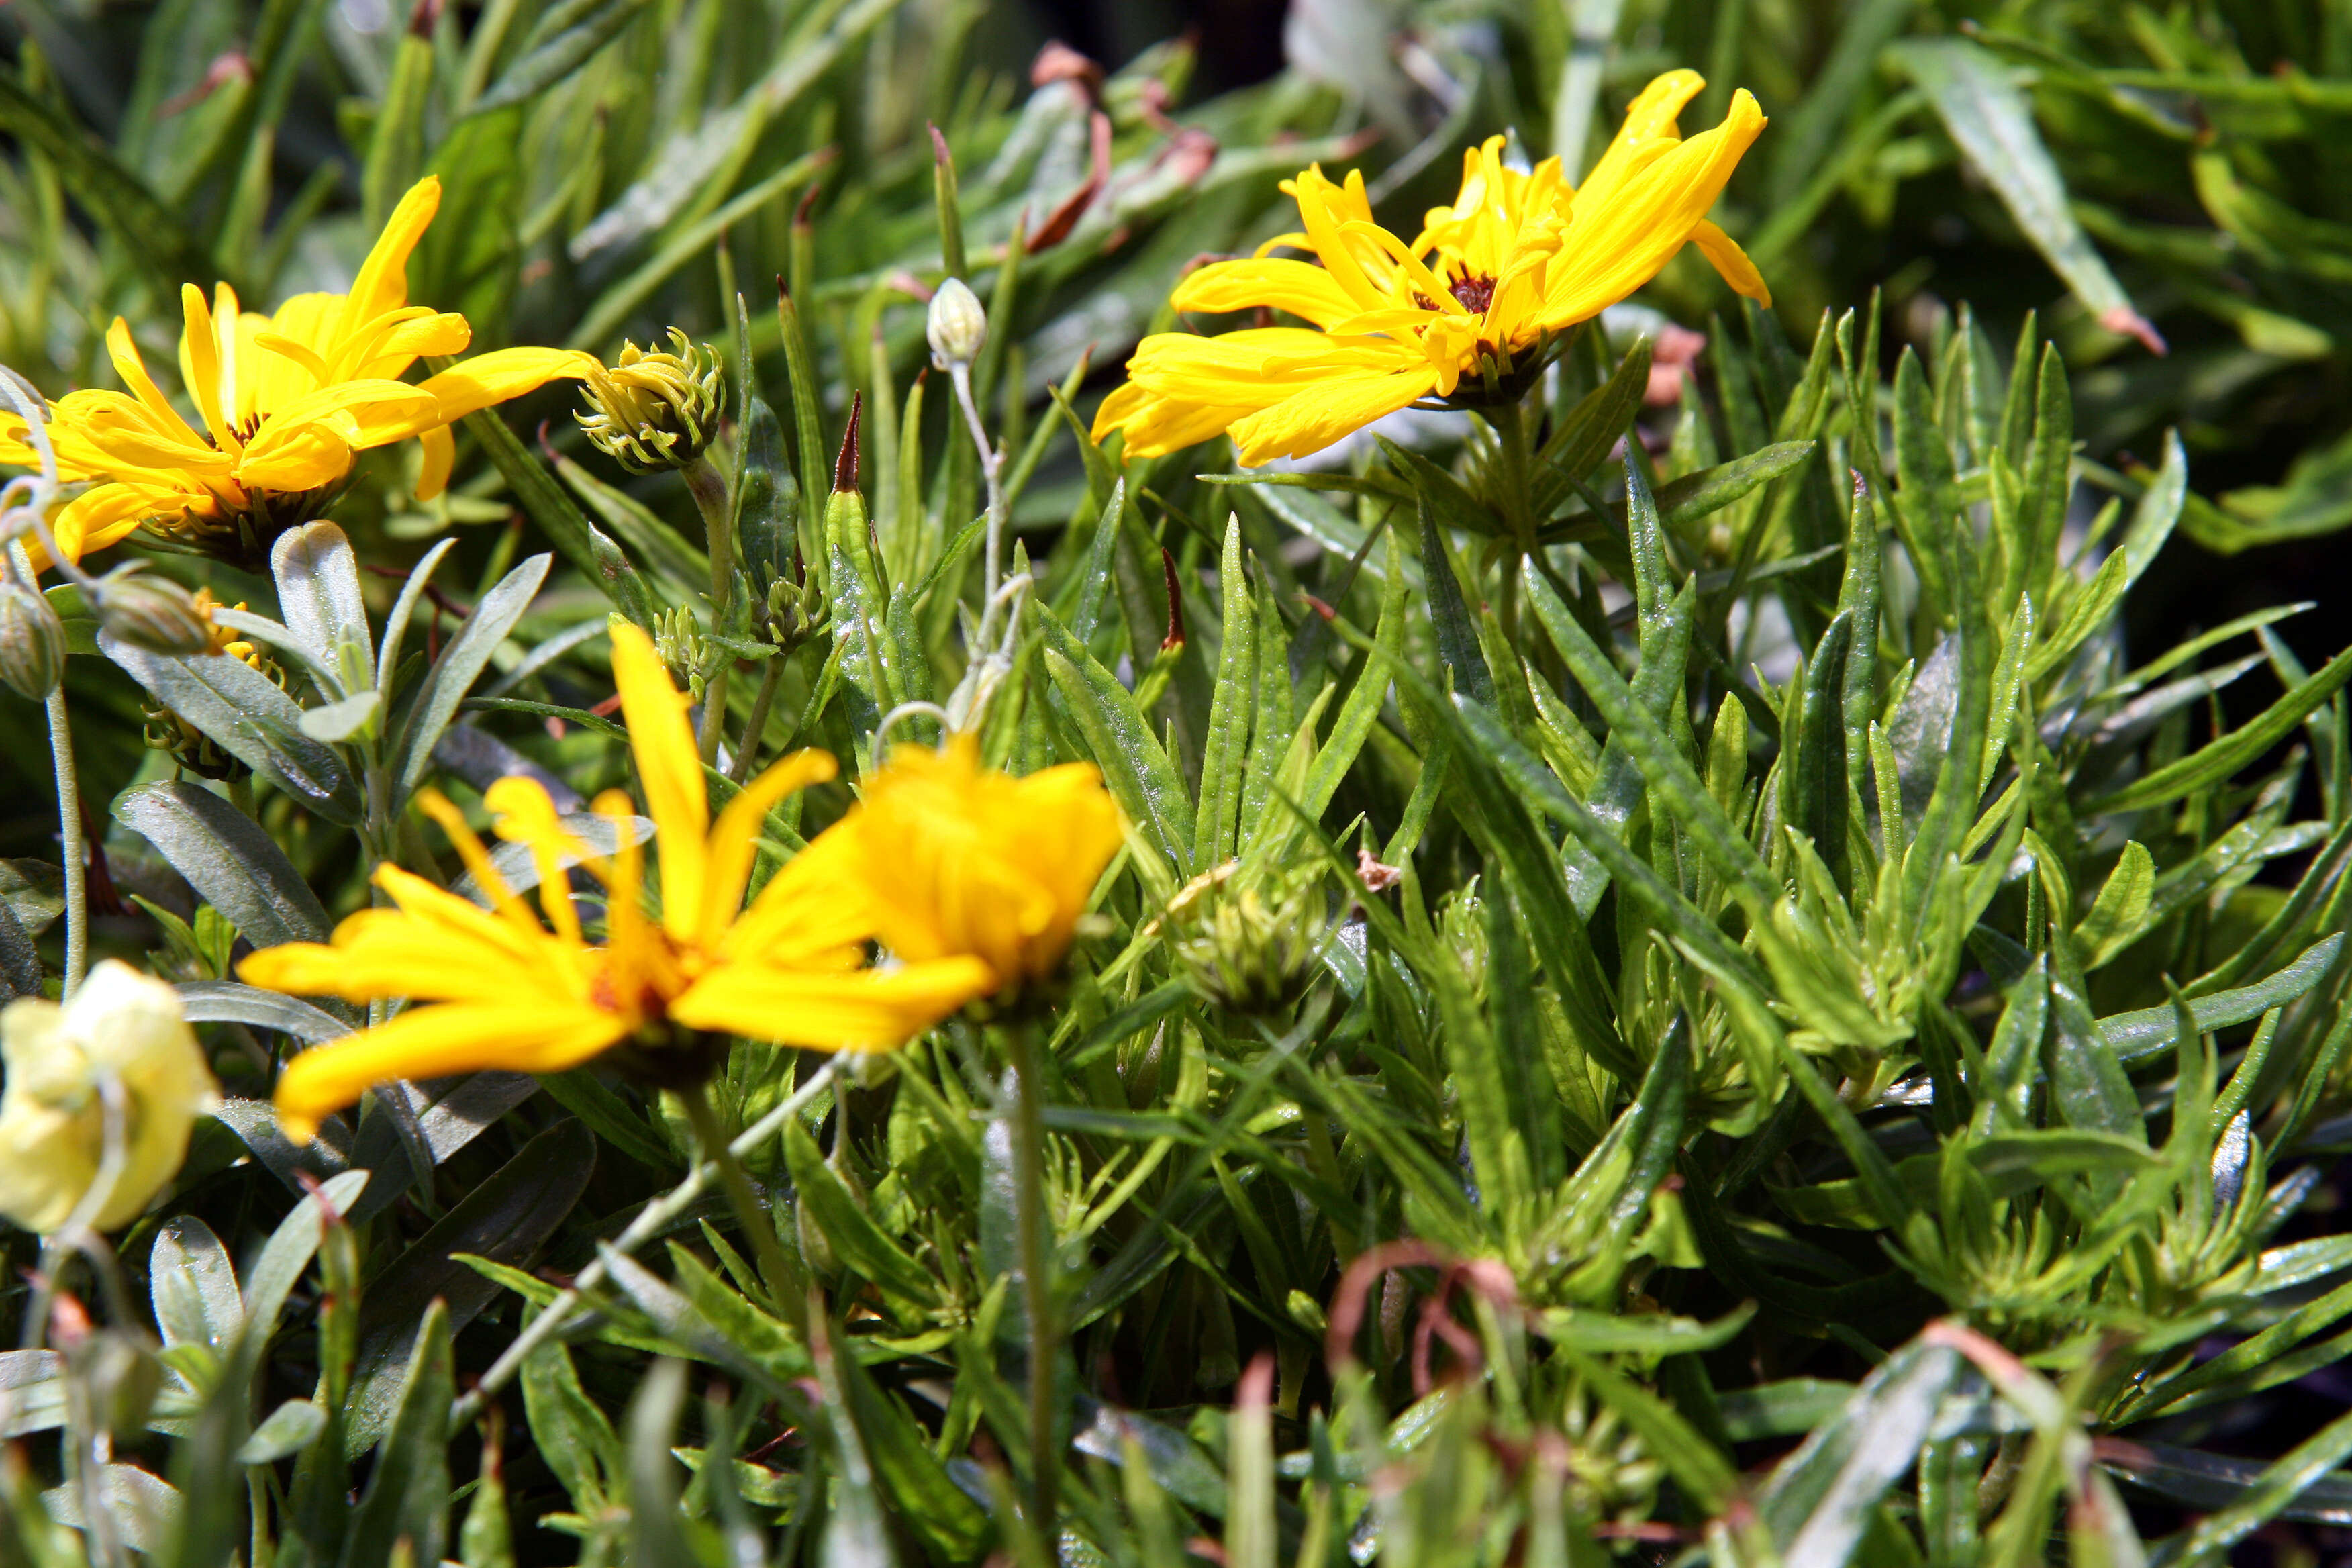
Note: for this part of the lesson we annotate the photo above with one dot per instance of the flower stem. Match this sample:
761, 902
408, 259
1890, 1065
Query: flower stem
747, 753
709, 492
1035, 1242
651, 1221
70, 844
776, 1270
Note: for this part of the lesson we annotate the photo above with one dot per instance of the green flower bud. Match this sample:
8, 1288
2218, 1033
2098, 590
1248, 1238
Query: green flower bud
653, 410
32, 642
1249, 946
153, 612
958, 325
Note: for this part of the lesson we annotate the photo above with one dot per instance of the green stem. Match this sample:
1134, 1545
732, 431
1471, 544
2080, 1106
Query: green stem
69, 843
1035, 1243
709, 492
749, 751
776, 1270
1510, 427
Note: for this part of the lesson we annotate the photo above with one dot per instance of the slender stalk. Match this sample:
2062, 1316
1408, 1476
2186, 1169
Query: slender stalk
709, 492
992, 469
1510, 427
776, 1270
651, 1221
1035, 1242
748, 750
69, 843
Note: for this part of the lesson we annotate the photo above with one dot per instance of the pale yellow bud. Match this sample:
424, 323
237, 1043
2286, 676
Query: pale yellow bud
958, 325
120, 1025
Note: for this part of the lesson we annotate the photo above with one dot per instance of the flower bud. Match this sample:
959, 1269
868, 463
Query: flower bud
32, 641
652, 411
958, 325
153, 612
1248, 943
123, 1026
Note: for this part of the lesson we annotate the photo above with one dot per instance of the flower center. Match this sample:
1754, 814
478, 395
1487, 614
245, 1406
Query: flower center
1477, 294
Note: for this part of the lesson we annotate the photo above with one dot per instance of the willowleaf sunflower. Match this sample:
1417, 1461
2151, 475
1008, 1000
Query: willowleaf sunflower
510, 990
283, 404
1477, 296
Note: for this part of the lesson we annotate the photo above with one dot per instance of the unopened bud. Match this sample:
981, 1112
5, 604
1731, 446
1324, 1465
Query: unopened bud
153, 612
1248, 943
958, 325
32, 642
653, 410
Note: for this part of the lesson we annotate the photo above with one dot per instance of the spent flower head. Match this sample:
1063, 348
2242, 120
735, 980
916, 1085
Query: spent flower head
651, 410
117, 1063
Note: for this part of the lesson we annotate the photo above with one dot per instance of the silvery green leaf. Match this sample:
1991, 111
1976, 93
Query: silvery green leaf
229, 861
447, 1114
254, 1123
1821, 1498
341, 720
192, 1284
226, 1001
396, 624
244, 714
143, 1508
1984, 113
504, 1218
319, 590
481, 759
274, 1275
285, 1432
516, 868
33, 1383
261, 628
454, 673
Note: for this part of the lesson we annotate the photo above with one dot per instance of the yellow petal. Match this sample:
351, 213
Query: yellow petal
1298, 287
1311, 420
1613, 250
1649, 129
382, 281
500, 375
200, 364
440, 456
862, 1010
436, 1042
729, 857
671, 769
526, 815
124, 353
271, 377
1732, 262
103, 515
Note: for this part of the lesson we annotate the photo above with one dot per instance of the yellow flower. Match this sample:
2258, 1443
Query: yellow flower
509, 992
121, 1025
959, 858
1518, 258
282, 403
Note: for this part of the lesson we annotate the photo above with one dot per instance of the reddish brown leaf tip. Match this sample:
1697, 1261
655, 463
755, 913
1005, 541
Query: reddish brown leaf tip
844, 466
1175, 637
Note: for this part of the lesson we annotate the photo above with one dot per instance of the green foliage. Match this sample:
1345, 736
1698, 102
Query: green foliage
1750, 957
